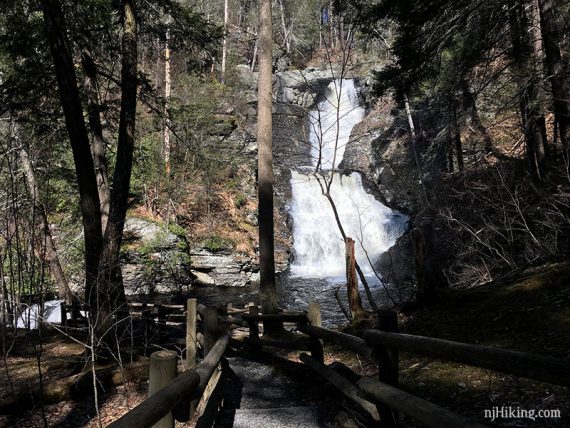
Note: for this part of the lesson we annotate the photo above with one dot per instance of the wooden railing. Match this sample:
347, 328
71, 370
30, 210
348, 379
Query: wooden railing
176, 397
383, 346
173, 397
186, 387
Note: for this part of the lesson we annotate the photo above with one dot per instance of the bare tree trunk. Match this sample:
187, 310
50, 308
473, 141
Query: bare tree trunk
225, 42
449, 150
538, 67
97, 142
69, 94
331, 25
284, 28
556, 69
265, 161
110, 293
254, 55
320, 24
429, 273
341, 38
354, 300
470, 104
531, 114
415, 153
49, 252
167, 86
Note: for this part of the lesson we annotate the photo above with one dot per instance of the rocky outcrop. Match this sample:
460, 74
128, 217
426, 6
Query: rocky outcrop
153, 259
302, 88
222, 268
379, 149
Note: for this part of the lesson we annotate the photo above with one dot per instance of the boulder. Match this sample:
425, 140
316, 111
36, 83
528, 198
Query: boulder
220, 268
153, 259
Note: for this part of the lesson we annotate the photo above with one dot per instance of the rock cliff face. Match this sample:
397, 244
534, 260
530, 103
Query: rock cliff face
157, 260
380, 151
153, 259
222, 268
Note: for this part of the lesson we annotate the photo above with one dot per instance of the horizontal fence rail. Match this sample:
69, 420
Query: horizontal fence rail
539, 367
349, 389
189, 385
422, 410
301, 318
352, 343
381, 397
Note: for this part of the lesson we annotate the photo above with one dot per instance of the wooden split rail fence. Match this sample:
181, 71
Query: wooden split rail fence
172, 315
176, 397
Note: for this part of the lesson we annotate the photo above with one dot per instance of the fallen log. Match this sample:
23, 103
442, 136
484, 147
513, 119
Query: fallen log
72, 387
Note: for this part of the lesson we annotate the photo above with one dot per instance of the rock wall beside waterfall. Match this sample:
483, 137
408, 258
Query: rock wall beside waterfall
295, 94
157, 261
379, 149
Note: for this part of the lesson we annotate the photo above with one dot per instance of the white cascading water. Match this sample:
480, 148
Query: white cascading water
318, 245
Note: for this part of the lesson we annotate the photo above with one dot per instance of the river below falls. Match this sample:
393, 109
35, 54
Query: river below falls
296, 293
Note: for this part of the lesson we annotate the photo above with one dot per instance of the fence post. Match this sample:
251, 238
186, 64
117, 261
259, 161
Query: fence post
254, 329
211, 329
253, 325
63, 309
314, 317
191, 307
388, 362
314, 314
162, 371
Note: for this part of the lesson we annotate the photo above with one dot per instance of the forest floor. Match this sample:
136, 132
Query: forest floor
529, 313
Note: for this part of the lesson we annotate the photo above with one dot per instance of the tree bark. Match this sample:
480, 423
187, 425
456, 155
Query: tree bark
97, 141
265, 161
429, 272
254, 58
167, 90
284, 28
529, 100
110, 293
354, 300
470, 104
415, 153
49, 251
556, 69
331, 24
225, 42
55, 28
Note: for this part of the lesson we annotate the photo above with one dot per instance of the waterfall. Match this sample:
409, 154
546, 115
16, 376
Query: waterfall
336, 115
318, 245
